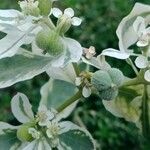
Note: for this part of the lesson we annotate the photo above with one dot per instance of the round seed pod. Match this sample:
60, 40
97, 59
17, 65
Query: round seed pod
101, 80
108, 94
23, 133
50, 42
107, 83
116, 76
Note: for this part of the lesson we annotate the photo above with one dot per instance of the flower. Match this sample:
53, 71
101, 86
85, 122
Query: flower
44, 115
68, 13
142, 31
35, 134
30, 7
89, 52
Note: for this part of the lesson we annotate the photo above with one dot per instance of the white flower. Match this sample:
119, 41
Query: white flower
35, 134
142, 31
69, 12
89, 52
53, 129
44, 115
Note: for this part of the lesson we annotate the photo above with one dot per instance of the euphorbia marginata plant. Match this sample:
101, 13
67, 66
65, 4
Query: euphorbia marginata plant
60, 57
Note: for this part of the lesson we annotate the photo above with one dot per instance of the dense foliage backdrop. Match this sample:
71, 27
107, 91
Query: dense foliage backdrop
100, 20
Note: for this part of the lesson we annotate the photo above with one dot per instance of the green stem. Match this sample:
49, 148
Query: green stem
129, 61
145, 114
47, 21
76, 68
135, 81
71, 100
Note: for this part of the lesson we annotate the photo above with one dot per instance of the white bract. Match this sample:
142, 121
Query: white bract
69, 13
142, 31
44, 115
89, 52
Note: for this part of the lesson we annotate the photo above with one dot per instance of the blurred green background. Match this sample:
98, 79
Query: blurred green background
100, 20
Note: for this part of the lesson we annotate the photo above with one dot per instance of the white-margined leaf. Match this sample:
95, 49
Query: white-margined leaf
8, 139
9, 14
10, 44
74, 50
98, 62
66, 73
55, 92
22, 66
125, 32
127, 104
21, 108
115, 53
75, 136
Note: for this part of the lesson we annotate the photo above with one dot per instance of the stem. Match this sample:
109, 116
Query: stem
47, 21
76, 68
145, 114
129, 61
135, 81
71, 100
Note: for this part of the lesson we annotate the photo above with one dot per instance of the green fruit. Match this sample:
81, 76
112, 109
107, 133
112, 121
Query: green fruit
23, 133
116, 76
107, 83
45, 7
50, 42
109, 94
101, 80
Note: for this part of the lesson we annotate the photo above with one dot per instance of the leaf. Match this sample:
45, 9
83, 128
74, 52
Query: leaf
127, 104
75, 137
115, 53
8, 139
98, 62
9, 14
66, 73
55, 92
21, 108
5, 126
22, 67
74, 49
10, 44
125, 32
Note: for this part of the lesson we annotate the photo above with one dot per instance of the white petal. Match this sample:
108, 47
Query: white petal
147, 75
139, 25
57, 12
115, 53
86, 92
69, 12
31, 146
78, 81
21, 108
142, 43
76, 21
10, 13
141, 62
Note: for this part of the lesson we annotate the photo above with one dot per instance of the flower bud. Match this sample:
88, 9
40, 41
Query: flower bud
45, 7
50, 42
23, 132
64, 23
107, 83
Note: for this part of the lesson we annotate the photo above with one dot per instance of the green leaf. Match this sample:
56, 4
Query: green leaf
125, 32
127, 104
8, 137
76, 138
22, 67
55, 92
21, 108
